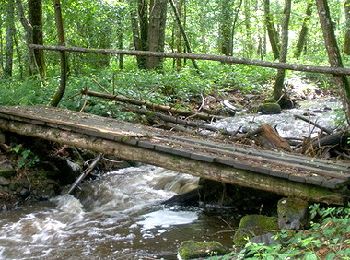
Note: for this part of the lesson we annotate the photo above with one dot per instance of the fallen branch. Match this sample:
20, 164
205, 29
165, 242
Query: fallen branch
324, 129
149, 105
85, 173
176, 120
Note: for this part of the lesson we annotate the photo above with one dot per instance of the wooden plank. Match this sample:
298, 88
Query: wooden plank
198, 168
250, 162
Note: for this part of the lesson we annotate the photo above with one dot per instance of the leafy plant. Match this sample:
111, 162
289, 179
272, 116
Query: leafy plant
26, 158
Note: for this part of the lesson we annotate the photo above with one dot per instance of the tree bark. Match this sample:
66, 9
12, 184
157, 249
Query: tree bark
209, 57
304, 31
156, 32
347, 28
281, 73
333, 51
225, 27
183, 33
143, 25
60, 32
271, 31
29, 36
248, 26
1, 45
35, 19
10, 32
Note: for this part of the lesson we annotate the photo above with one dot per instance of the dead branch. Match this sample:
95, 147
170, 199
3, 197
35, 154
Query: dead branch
85, 173
149, 105
324, 129
210, 57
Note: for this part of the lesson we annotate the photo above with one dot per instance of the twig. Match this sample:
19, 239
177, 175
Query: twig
101, 87
85, 173
324, 129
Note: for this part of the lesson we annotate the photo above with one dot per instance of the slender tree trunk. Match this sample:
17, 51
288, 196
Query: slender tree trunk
225, 27
35, 19
178, 34
281, 73
19, 55
235, 20
143, 25
333, 51
60, 32
304, 31
248, 27
10, 32
29, 36
347, 28
1, 43
271, 31
183, 33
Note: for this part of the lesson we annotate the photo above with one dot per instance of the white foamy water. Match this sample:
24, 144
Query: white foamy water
322, 111
119, 216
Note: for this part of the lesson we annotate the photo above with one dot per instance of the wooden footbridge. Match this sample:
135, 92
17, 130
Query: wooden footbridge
279, 172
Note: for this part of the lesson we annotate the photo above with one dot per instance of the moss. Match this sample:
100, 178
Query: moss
254, 225
270, 108
292, 213
192, 249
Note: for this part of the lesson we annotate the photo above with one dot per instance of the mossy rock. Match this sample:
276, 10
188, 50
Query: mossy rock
193, 249
292, 213
6, 169
254, 225
270, 108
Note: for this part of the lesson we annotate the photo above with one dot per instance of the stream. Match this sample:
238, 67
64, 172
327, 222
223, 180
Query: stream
119, 216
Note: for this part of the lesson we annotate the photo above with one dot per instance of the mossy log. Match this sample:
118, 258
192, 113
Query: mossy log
209, 170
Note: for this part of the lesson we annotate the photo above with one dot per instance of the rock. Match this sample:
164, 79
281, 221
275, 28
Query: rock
2, 138
292, 213
4, 181
6, 169
266, 239
254, 225
270, 108
24, 193
192, 249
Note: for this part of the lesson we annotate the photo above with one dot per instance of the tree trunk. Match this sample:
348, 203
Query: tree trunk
333, 51
29, 36
271, 31
225, 27
19, 55
304, 31
10, 32
248, 27
35, 19
1, 44
183, 33
156, 32
237, 10
178, 34
347, 28
281, 73
60, 32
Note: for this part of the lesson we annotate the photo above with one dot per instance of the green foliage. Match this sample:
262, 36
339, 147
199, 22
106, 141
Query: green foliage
326, 238
26, 158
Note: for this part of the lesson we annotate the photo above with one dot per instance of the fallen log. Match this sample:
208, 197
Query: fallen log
150, 105
176, 120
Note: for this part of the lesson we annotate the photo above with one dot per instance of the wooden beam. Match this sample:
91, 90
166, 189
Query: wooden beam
203, 169
209, 57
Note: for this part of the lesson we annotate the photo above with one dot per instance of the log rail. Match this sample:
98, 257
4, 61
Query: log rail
279, 172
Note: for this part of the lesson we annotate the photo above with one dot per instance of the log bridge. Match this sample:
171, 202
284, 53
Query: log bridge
279, 172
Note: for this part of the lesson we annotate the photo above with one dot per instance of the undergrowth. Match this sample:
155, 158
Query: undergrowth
327, 238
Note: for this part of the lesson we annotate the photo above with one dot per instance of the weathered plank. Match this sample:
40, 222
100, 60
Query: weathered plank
265, 164
197, 168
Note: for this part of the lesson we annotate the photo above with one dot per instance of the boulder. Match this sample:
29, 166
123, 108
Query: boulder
292, 213
270, 108
253, 226
193, 249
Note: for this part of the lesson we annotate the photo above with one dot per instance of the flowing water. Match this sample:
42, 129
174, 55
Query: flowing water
119, 216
